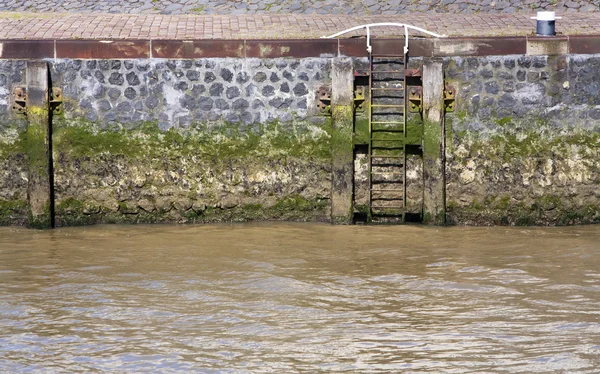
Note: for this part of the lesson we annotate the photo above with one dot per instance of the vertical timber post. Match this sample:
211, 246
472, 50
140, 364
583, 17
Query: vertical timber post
434, 173
39, 187
342, 113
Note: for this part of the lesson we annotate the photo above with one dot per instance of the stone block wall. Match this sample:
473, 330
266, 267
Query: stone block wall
13, 158
523, 146
209, 140
176, 141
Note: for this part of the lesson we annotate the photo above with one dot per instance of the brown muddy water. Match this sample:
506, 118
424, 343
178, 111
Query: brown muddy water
286, 298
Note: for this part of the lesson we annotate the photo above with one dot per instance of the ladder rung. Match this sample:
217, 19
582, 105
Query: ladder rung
387, 207
372, 55
388, 71
393, 190
387, 89
386, 106
387, 130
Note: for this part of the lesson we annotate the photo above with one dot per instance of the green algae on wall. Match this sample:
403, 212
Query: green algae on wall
524, 174
205, 173
13, 174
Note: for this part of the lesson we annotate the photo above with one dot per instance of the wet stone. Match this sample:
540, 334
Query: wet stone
221, 104
188, 102
181, 86
116, 79
198, 89
151, 102
99, 76
133, 79
114, 93
209, 77
259, 77
226, 74
125, 106
104, 105
98, 91
256, 103
268, 91
300, 89
205, 103
130, 93
232, 92
240, 104
242, 77
192, 75
216, 89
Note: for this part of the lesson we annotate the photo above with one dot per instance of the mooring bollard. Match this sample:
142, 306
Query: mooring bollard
546, 23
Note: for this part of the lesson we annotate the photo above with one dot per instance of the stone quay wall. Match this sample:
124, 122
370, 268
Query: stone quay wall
237, 139
176, 141
523, 146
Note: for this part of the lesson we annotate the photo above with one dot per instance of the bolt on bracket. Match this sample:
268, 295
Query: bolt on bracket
19, 100
415, 99
324, 100
449, 98
56, 101
359, 98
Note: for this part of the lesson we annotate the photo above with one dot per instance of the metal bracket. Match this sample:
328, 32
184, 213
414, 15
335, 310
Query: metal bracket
412, 73
56, 101
449, 98
20, 100
359, 98
415, 99
324, 100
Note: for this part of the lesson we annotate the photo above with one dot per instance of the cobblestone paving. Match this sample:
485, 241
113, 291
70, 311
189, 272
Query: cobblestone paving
355, 7
107, 26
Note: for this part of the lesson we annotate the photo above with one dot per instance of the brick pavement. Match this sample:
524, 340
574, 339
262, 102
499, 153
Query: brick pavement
362, 7
269, 26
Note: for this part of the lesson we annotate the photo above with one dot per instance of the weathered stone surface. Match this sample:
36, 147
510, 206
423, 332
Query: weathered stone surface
163, 147
529, 154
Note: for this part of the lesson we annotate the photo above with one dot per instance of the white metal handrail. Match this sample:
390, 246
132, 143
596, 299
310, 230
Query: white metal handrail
384, 24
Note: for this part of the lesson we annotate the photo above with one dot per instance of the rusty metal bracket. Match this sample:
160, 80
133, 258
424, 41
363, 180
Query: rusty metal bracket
449, 98
412, 73
56, 101
359, 98
20, 100
415, 99
324, 100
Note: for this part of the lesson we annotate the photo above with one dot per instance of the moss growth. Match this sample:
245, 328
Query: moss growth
13, 212
221, 142
13, 145
504, 121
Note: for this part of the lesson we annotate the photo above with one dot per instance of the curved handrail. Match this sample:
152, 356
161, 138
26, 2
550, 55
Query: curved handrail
383, 24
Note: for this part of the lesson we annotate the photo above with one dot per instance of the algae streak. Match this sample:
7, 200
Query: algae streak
524, 173
206, 173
